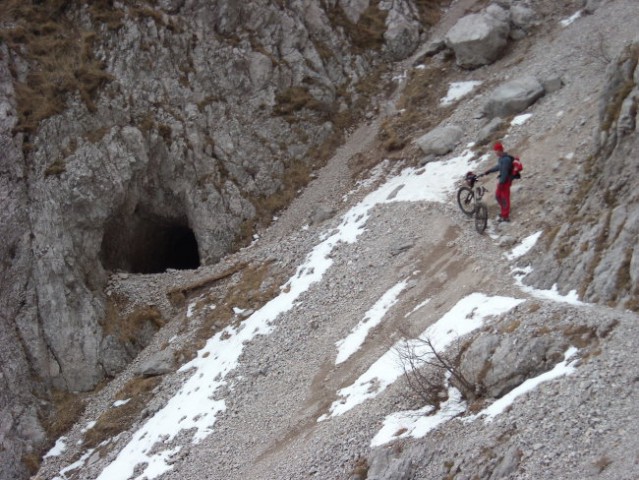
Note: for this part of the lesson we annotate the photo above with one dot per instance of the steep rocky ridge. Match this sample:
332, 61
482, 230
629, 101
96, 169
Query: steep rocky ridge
535, 141
596, 251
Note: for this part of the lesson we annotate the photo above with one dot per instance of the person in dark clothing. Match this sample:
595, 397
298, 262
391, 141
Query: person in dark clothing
504, 167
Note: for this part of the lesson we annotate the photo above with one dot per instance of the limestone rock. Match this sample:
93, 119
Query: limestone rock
513, 97
387, 466
441, 140
611, 276
158, 364
401, 36
523, 17
478, 39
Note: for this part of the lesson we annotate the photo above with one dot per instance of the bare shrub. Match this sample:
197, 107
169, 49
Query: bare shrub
425, 368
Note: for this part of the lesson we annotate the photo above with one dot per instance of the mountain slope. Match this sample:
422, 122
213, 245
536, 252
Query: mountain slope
286, 378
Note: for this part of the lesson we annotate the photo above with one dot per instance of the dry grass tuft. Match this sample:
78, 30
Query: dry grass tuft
430, 11
534, 307
368, 32
57, 415
582, 336
58, 167
66, 409
295, 99
510, 327
633, 303
360, 163
360, 471
60, 55
138, 391
134, 327
424, 88
603, 463
31, 461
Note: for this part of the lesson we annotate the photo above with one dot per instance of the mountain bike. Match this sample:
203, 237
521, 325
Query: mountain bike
469, 199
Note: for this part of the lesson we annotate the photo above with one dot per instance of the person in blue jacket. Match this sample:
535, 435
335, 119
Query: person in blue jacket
502, 193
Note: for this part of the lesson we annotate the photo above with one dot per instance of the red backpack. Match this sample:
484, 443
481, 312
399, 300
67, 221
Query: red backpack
517, 168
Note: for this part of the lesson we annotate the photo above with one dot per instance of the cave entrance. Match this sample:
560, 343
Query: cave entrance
148, 244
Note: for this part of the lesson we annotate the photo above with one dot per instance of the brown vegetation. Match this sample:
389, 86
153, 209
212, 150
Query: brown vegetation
138, 392
368, 32
295, 99
129, 324
59, 55
423, 89
66, 409
248, 287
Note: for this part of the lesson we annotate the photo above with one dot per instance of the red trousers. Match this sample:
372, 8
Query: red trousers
502, 194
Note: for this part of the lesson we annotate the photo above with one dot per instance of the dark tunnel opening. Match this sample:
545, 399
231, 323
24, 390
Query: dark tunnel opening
148, 244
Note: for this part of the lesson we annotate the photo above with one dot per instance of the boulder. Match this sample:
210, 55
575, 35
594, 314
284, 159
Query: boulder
552, 83
441, 140
512, 364
320, 213
591, 5
114, 357
478, 39
386, 465
401, 36
513, 97
523, 18
159, 364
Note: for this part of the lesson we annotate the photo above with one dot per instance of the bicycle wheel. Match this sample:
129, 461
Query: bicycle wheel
466, 200
481, 217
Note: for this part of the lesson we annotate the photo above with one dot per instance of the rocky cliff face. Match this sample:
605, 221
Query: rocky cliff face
141, 136
595, 251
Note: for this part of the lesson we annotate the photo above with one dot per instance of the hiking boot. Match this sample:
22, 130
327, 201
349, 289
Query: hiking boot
501, 219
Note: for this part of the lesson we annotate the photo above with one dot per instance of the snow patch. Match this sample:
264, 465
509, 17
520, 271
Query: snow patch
457, 90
